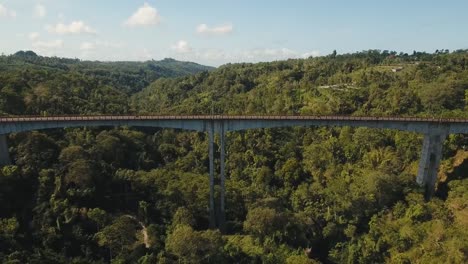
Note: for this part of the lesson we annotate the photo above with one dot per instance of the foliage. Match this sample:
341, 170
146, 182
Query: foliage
293, 195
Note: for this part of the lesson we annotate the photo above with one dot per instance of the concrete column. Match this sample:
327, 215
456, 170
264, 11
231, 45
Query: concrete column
211, 157
222, 214
430, 160
4, 155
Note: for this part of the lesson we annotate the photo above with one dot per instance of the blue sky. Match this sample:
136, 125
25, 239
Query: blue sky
217, 32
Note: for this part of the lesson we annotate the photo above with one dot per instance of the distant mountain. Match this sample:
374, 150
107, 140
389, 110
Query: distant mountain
33, 84
134, 76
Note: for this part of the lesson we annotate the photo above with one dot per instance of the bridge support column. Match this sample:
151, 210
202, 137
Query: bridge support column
4, 155
211, 158
222, 213
430, 160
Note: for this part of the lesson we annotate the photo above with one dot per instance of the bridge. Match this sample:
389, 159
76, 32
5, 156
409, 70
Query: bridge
434, 130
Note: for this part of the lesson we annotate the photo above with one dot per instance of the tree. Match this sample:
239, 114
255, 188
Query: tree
195, 246
80, 173
98, 216
119, 237
264, 222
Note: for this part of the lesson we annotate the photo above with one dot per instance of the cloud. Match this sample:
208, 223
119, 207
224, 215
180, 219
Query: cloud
219, 56
104, 50
144, 16
265, 54
33, 36
143, 54
5, 12
54, 44
109, 44
101, 44
270, 54
181, 46
86, 46
75, 27
314, 53
217, 30
40, 11
213, 55
48, 48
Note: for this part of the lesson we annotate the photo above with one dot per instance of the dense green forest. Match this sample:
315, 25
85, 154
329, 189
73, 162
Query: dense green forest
294, 195
32, 84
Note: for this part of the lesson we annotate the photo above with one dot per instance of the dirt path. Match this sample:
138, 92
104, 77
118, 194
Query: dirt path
144, 231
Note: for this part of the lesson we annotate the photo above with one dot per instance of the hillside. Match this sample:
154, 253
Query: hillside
294, 195
365, 83
32, 84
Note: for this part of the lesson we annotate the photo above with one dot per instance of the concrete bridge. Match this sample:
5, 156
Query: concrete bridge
435, 131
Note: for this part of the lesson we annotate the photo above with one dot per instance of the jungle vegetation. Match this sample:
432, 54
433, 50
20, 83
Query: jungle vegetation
294, 195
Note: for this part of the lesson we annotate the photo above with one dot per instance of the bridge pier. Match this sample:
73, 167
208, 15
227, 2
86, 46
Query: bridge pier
211, 158
217, 217
4, 155
431, 156
222, 213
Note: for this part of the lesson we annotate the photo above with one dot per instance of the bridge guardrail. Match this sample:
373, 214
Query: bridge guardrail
226, 117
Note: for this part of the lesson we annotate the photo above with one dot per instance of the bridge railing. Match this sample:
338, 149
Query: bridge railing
225, 117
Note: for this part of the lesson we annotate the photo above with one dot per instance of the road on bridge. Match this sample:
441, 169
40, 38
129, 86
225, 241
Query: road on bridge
224, 117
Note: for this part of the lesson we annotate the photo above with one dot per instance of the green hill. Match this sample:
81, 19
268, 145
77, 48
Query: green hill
32, 84
293, 195
364, 83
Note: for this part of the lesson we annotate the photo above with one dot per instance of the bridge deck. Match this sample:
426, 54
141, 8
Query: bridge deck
225, 117
435, 131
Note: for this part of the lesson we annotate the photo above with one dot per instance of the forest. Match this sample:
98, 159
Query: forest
293, 195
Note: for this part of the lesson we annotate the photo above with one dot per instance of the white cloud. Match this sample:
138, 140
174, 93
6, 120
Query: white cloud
217, 30
182, 46
105, 50
5, 12
266, 54
100, 45
40, 11
213, 55
33, 36
269, 54
86, 46
314, 53
143, 54
48, 48
54, 44
219, 56
75, 27
108, 44
144, 16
